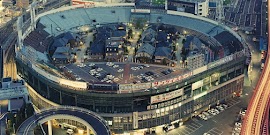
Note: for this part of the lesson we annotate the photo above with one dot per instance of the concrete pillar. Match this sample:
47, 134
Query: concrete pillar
49, 127
88, 131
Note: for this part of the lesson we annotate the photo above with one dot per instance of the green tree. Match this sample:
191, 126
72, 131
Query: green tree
130, 33
183, 41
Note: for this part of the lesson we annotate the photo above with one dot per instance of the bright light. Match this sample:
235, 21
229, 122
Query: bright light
185, 32
80, 131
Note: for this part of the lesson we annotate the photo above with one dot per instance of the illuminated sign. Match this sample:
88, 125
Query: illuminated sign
197, 85
84, 3
168, 81
139, 86
167, 96
135, 120
220, 62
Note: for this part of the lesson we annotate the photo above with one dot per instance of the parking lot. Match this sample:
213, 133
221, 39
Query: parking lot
120, 72
186, 129
214, 131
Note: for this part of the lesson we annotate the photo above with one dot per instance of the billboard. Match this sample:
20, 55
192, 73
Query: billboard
182, 6
175, 79
135, 120
167, 96
220, 62
139, 86
150, 4
84, 3
197, 85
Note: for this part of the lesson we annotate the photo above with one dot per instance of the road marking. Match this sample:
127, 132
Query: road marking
215, 131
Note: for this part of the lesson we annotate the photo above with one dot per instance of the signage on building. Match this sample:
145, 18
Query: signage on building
84, 3
139, 86
220, 62
182, 6
175, 79
135, 120
167, 96
197, 85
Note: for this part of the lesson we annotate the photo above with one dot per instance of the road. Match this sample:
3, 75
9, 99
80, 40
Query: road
257, 109
97, 123
3, 115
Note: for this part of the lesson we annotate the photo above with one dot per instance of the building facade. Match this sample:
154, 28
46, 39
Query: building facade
166, 101
123, 111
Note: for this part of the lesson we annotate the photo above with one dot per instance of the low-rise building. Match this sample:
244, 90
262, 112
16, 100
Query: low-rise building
145, 52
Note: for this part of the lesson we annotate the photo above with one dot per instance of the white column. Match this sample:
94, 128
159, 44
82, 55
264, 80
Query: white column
49, 127
88, 131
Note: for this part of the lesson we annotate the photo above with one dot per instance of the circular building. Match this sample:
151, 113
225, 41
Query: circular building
135, 68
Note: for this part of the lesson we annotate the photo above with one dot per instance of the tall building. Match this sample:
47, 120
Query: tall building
197, 7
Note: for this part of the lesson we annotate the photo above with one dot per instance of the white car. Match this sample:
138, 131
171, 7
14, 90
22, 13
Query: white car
115, 66
205, 113
133, 68
215, 110
212, 112
146, 65
120, 70
91, 64
70, 131
237, 129
99, 69
203, 117
243, 112
109, 64
220, 108
224, 105
238, 124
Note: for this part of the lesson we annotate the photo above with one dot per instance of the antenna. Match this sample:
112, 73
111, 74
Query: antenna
219, 11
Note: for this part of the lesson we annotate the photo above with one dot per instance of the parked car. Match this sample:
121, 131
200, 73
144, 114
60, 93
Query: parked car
70, 131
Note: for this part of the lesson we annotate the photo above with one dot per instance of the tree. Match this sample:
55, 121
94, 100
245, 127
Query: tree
29, 110
130, 35
183, 41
